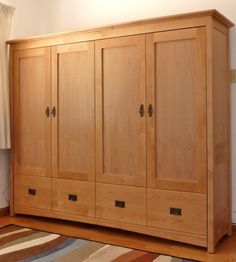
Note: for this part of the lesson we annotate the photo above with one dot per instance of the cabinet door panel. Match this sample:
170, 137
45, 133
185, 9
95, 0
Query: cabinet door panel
177, 90
32, 127
120, 130
73, 97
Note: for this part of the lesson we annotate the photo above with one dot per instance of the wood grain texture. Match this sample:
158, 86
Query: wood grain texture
11, 94
134, 211
176, 85
229, 180
84, 205
32, 129
225, 250
120, 131
42, 187
193, 218
164, 23
210, 138
194, 239
73, 127
182, 72
221, 135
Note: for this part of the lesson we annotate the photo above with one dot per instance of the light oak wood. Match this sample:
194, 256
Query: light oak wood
73, 145
110, 32
176, 85
32, 128
11, 97
225, 250
194, 239
134, 209
220, 203
63, 192
229, 176
40, 198
120, 130
210, 163
220, 27
179, 65
164, 23
193, 206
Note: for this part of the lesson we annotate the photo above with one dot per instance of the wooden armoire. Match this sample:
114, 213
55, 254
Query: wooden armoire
126, 126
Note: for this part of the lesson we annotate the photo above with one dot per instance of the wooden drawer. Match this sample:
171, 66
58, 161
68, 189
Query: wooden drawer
32, 191
179, 211
121, 203
74, 197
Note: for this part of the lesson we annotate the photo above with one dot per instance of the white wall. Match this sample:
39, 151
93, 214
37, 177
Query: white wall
63, 15
34, 17
27, 17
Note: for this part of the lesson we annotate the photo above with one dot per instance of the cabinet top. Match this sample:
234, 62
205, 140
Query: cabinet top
129, 28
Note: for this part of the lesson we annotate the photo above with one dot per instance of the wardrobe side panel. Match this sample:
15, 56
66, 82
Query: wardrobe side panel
221, 135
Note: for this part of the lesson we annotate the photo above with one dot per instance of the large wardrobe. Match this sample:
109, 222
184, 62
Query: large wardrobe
126, 126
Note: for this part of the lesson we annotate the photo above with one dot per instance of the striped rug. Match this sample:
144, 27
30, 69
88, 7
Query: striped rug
24, 245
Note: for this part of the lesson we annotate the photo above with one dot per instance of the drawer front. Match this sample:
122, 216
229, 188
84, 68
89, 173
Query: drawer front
74, 197
32, 191
179, 211
121, 203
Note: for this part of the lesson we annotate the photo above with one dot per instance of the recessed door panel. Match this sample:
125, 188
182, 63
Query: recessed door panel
73, 122
177, 91
32, 124
120, 104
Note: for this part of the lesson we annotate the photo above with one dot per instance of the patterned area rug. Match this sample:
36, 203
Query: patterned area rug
24, 244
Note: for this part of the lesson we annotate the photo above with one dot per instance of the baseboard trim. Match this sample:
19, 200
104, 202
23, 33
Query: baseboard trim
4, 211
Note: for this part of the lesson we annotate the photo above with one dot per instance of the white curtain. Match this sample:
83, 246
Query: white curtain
6, 13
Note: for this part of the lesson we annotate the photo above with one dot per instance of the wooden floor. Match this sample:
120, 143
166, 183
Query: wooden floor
226, 249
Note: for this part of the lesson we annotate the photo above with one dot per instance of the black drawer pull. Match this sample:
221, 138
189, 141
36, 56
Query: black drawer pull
72, 197
32, 191
119, 203
175, 211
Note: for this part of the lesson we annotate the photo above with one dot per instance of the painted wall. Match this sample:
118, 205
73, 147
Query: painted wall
27, 17
43, 17
60, 15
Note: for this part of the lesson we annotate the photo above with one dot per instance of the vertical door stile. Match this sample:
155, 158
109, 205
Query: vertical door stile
54, 103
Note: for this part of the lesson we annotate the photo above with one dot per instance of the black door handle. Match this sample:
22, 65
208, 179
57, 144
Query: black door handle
150, 110
53, 112
141, 110
47, 111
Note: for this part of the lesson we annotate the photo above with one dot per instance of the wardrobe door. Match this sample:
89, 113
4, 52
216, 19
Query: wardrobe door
73, 111
32, 123
176, 90
120, 111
